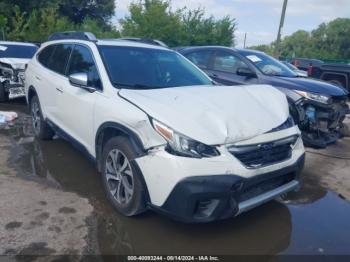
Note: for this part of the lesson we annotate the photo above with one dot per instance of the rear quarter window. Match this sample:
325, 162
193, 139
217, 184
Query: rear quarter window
45, 55
59, 59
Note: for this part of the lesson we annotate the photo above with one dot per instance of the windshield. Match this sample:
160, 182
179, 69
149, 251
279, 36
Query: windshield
268, 65
140, 68
17, 51
290, 66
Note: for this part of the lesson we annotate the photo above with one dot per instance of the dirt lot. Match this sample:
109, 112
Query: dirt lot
52, 203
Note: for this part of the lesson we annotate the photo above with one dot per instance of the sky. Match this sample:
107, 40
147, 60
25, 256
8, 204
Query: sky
260, 18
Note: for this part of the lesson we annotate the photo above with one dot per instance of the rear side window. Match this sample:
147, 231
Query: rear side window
45, 55
82, 61
200, 58
59, 59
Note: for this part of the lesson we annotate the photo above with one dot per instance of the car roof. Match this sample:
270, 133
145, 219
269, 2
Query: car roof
192, 48
17, 43
109, 42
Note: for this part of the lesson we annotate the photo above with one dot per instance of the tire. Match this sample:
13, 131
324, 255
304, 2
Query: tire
3, 94
336, 83
122, 181
40, 127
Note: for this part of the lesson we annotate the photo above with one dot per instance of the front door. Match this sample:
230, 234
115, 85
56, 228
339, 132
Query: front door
76, 105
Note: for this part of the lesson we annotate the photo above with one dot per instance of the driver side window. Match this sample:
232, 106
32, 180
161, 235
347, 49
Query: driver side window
227, 62
82, 61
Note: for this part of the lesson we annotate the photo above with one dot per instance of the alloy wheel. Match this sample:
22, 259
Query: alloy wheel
36, 118
119, 177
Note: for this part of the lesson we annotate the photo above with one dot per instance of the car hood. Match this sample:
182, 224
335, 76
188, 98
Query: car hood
308, 85
16, 63
214, 115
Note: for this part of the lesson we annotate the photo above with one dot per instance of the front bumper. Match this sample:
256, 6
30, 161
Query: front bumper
209, 198
164, 172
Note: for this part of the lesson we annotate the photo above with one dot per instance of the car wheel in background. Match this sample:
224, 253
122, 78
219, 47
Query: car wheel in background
40, 127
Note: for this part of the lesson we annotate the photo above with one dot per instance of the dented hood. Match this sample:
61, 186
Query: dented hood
16, 63
214, 114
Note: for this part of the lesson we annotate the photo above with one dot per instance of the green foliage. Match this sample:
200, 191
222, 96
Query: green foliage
268, 49
156, 19
329, 41
38, 24
198, 30
75, 10
93, 26
153, 19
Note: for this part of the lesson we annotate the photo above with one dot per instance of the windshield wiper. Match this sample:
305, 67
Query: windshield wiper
135, 86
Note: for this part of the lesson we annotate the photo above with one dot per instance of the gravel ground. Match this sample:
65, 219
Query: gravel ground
37, 219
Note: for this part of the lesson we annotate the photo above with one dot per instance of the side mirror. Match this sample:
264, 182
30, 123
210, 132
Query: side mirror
244, 71
81, 80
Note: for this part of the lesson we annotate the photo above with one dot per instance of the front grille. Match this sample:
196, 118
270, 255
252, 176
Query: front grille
258, 155
254, 189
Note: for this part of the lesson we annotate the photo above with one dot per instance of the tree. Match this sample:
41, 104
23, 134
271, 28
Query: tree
328, 41
3, 24
156, 19
198, 30
75, 10
78, 10
153, 19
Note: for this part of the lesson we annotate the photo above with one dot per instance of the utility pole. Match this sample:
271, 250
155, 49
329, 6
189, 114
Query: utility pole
245, 39
278, 41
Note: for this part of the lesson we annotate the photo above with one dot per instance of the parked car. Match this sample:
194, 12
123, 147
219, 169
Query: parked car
319, 108
305, 63
162, 135
299, 72
13, 59
336, 74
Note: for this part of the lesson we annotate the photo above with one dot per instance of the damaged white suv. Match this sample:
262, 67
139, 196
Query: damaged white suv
14, 57
163, 137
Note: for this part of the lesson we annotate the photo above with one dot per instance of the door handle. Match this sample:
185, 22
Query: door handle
213, 75
59, 90
38, 78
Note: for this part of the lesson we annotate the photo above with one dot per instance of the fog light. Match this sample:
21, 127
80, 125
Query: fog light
236, 187
205, 208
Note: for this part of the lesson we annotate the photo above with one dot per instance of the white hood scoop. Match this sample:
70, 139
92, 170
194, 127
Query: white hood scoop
214, 114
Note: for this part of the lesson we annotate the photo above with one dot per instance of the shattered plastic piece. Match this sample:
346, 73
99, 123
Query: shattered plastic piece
8, 116
26, 140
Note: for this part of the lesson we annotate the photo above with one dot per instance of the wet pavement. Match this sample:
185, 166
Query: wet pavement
314, 221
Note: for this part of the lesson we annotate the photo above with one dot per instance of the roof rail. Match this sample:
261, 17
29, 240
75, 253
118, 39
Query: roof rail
145, 41
73, 35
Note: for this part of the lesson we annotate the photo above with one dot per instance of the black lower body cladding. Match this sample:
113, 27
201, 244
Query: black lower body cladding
209, 198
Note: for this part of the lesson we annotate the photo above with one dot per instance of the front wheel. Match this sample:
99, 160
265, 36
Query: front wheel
41, 129
121, 180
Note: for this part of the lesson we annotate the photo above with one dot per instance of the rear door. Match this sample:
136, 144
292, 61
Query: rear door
76, 105
58, 66
224, 69
50, 80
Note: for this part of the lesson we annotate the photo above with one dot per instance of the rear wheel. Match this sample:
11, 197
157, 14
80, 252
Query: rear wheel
41, 129
122, 181
3, 94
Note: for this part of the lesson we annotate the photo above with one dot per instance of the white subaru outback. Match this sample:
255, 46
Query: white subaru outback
163, 136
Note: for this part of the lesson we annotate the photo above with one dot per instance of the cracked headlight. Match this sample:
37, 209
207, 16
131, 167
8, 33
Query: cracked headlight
324, 99
181, 145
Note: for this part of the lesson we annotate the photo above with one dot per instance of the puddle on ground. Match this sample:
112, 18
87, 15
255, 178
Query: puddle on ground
312, 221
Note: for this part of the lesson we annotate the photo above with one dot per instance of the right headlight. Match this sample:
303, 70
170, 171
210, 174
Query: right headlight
182, 145
324, 99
